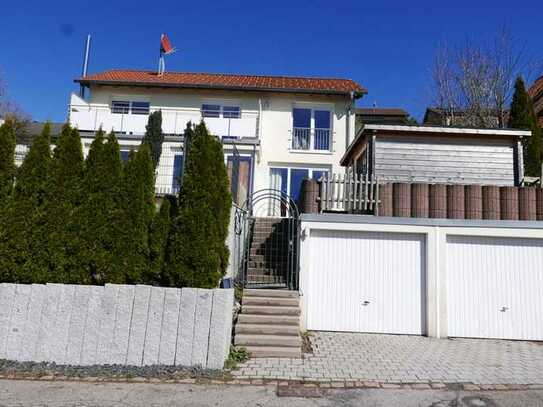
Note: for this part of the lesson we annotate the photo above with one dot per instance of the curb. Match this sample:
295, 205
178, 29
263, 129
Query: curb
328, 385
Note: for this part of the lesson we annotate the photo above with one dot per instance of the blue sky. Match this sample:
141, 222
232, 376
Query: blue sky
387, 46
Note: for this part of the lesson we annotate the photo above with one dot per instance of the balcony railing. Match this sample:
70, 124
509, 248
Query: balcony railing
304, 138
91, 117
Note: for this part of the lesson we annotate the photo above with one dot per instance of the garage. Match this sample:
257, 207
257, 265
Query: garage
363, 281
494, 287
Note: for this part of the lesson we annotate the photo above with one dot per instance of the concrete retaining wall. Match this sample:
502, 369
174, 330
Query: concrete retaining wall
115, 324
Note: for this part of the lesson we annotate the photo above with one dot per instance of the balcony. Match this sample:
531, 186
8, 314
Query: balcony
304, 138
174, 120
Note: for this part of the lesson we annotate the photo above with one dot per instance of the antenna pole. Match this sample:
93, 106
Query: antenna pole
85, 64
161, 67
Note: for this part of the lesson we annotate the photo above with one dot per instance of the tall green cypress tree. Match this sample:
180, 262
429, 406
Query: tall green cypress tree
197, 253
522, 116
154, 136
158, 239
65, 194
137, 214
7, 160
100, 214
22, 247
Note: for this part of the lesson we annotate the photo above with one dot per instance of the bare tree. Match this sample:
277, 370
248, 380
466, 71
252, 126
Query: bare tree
11, 110
473, 83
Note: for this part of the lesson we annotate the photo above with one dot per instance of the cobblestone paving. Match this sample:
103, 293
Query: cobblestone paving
405, 359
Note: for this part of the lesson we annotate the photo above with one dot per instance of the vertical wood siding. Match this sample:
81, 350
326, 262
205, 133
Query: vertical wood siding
445, 160
494, 287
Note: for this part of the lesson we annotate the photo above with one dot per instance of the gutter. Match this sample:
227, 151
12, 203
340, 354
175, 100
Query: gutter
357, 94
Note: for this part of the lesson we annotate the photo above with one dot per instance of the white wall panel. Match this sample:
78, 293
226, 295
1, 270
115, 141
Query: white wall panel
366, 282
495, 287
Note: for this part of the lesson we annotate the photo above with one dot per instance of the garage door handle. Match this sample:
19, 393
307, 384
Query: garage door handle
503, 309
365, 303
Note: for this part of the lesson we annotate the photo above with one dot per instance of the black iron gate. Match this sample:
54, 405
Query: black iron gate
267, 240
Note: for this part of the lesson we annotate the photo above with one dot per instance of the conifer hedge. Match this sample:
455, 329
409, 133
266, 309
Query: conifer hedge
67, 219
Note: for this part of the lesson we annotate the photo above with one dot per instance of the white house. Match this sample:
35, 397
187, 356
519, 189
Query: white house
284, 128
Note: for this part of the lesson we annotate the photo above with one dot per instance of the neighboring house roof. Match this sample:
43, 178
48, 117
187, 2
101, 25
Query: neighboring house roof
436, 131
193, 80
536, 93
31, 130
381, 111
374, 115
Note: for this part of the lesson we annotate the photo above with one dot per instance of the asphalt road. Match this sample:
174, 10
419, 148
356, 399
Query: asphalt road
64, 394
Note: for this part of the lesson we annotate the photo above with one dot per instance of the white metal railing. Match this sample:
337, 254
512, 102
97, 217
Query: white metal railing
174, 120
305, 138
349, 193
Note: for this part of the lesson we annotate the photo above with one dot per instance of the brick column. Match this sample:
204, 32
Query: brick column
474, 202
509, 203
455, 202
438, 201
527, 204
491, 202
401, 200
420, 205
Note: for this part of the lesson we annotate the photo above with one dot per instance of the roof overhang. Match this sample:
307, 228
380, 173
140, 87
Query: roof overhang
88, 83
376, 129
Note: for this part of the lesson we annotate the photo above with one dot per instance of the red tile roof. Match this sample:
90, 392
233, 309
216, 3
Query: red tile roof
224, 81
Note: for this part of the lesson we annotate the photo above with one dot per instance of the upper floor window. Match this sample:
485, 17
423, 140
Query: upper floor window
228, 112
130, 107
312, 129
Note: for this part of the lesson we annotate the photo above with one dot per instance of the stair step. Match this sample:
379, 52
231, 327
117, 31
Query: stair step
274, 352
268, 251
271, 301
267, 310
267, 273
267, 340
269, 319
269, 264
261, 329
270, 293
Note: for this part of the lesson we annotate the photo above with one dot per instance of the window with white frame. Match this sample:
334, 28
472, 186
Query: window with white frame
289, 179
130, 107
312, 128
221, 110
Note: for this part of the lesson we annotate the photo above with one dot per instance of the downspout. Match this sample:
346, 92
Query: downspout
348, 121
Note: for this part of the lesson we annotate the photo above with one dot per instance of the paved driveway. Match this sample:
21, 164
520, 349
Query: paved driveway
406, 359
72, 394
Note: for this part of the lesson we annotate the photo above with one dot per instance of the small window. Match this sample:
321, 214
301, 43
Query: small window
140, 108
231, 112
177, 171
125, 155
120, 107
211, 110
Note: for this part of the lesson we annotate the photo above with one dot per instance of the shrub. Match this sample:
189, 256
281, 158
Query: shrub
7, 160
154, 136
137, 206
197, 253
23, 239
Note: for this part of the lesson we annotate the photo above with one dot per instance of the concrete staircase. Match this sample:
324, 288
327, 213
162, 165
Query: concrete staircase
268, 325
268, 256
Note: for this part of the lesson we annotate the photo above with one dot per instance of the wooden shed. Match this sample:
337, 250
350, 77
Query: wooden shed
431, 154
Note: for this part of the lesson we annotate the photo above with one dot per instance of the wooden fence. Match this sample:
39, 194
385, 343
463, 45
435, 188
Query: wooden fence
342, 193
416, 200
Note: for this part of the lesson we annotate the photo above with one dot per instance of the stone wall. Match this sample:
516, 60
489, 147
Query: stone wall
115, 324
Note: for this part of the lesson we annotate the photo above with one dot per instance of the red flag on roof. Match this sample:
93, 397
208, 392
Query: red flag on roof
165, 45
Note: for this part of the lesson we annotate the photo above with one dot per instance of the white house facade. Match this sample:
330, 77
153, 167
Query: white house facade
283, 129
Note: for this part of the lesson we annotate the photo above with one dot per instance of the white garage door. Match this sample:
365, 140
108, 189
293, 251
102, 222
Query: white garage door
366, 282
494, 287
